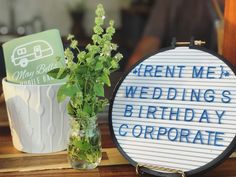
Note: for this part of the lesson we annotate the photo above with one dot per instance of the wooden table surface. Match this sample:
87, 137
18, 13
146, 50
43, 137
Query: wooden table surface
226, 169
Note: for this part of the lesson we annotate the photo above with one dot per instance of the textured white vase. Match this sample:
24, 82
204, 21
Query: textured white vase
38, 123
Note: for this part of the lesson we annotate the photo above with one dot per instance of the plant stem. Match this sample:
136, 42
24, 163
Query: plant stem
85, 92
85, 86
78, 49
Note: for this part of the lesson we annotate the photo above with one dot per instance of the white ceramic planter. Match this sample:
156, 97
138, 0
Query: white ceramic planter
38, 123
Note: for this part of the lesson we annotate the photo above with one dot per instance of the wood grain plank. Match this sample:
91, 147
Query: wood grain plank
32, 162
119, 170
54, 173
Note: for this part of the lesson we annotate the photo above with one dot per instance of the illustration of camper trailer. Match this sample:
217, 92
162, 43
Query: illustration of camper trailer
31, 51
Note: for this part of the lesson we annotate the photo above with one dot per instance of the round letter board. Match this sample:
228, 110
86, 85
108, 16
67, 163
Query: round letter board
177, 110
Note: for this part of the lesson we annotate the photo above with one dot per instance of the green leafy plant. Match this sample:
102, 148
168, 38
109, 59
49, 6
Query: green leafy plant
86, 73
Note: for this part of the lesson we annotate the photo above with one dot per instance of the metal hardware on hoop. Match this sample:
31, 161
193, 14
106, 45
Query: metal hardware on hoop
196, 42
192, 42
159, 169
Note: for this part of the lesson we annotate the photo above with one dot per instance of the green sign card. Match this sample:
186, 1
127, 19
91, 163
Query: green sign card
29, 58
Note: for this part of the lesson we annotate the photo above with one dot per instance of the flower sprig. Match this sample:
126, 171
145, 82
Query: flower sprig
88, 71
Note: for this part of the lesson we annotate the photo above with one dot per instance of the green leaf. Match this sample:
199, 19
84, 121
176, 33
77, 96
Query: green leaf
81, 70
98, 30
118, 57
87, 108
105, 70
53, 73
62, 73
85, 146
81, 56
98, 89
71, 90
99, 21
70, 110
60, 93
98, 66
105, 78
73, 44
66, 90
70, 37
101, 103
96, 39
82, 145
110, 30
102, 58
114, 64
89, 60
100, 10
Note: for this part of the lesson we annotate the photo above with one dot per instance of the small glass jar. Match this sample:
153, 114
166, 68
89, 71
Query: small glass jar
84, 148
